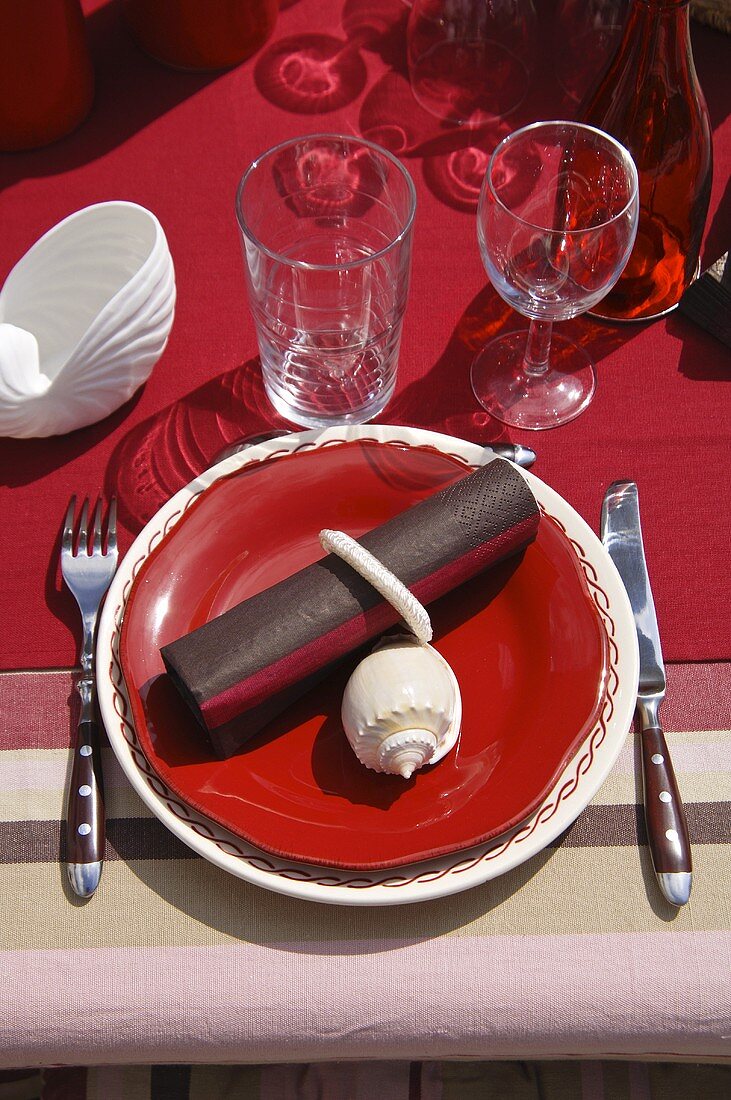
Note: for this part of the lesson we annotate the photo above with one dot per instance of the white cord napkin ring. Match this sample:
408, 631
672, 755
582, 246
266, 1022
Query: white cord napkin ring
383, 580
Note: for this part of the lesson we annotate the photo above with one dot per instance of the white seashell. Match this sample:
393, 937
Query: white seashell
84, 317
402, 707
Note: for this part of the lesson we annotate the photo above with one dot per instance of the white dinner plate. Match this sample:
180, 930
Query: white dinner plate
438, 877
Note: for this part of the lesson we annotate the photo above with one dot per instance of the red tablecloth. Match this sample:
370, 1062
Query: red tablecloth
178, 143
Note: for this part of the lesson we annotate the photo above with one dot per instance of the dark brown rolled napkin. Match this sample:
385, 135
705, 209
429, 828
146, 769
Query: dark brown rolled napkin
238, 671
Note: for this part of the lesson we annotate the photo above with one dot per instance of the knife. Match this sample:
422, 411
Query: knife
667, 830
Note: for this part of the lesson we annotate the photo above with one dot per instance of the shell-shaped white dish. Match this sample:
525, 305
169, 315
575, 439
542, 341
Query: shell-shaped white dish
84, 317
402, 707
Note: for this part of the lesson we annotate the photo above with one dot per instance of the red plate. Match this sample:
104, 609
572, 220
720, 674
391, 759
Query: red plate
525, 641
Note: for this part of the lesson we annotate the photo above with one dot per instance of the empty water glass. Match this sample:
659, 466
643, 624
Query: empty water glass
326, 225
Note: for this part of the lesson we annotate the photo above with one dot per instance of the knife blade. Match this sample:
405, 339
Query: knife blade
667, 830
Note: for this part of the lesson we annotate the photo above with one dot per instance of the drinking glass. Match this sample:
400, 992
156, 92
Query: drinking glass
470, 62
556, 222
326, 225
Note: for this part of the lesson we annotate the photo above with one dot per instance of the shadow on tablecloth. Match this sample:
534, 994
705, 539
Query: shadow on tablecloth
163, 453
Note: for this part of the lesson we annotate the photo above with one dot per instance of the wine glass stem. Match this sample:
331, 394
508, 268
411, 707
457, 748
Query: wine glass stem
537, 347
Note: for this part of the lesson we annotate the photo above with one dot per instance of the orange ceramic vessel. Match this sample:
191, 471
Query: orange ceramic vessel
46, 76
190, 34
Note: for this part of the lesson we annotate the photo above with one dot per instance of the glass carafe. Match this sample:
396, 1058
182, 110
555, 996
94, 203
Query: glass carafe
651, 101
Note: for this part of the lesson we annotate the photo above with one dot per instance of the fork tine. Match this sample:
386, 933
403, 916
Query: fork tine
68, 527
112, 527
82, 527
97, 548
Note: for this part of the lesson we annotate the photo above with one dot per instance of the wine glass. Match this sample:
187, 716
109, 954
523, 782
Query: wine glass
556, 222
470, 62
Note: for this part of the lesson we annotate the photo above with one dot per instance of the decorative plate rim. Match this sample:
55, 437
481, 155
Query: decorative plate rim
428, 879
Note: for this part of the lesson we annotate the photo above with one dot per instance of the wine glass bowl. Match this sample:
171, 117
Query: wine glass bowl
556, 222
469, 62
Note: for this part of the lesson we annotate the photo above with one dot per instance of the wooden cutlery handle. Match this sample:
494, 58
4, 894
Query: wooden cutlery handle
667, 830
85, 810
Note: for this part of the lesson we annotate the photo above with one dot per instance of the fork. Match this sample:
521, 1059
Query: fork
87, 569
